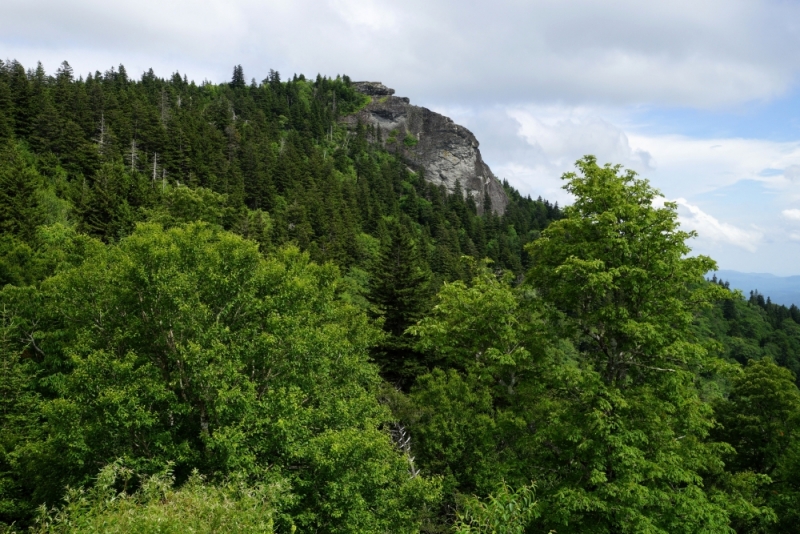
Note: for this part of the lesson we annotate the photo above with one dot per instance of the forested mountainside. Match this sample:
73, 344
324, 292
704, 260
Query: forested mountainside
270, 157
233, 308
755, 328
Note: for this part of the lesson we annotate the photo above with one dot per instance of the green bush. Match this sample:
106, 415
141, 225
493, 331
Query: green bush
159, 507
410, 140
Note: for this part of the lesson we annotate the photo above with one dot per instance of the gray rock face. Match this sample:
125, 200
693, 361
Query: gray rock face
446, 152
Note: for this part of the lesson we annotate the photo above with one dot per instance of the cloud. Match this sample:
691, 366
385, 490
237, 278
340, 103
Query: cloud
566, 134
690, 166
533, 145
717, 52
791, 214
710, 228
792, 173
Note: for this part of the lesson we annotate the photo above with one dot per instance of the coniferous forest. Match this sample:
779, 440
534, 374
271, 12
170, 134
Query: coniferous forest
224, 311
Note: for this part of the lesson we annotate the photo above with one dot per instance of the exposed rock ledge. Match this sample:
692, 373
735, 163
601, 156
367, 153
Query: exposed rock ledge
446, 152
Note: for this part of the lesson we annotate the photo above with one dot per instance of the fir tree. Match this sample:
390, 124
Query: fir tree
238, 81
19, 181
399, 292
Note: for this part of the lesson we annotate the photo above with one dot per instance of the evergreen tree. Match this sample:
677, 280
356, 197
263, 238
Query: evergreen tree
399, 292
6, 110
238, 81
19, 207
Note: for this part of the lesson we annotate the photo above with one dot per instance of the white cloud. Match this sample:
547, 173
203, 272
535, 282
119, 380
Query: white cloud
533, 146
710, 53
792, 173
689, 166
791, 214
566, 134
710, 228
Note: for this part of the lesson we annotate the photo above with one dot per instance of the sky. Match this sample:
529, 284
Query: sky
701, 97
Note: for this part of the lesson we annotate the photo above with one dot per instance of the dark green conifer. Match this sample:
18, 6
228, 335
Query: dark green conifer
238, 81
400, 294
19, 181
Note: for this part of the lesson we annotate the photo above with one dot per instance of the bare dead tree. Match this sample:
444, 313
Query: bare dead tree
133, 154
402, 441
155, 164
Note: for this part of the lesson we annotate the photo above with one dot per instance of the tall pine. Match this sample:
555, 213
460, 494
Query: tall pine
399, 292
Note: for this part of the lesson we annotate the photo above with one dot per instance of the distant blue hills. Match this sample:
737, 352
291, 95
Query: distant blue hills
781, 289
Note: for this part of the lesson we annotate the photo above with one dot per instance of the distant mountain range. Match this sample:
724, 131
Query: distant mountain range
781, 289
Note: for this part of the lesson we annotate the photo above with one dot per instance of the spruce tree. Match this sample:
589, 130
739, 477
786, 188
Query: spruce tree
237, 80
19, 181
399, 292
6, 111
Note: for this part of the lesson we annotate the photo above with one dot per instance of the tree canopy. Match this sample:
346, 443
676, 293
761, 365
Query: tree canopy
222, 310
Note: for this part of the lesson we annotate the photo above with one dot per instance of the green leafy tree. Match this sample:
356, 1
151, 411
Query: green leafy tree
616, 275
761, 419
186, 346
160, 507
504, 512
471, 421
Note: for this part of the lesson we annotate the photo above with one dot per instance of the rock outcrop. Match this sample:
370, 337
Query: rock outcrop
446, 152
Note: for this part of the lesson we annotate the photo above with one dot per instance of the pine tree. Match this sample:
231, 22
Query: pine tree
399, 291
19, 209
6, 111
237, 81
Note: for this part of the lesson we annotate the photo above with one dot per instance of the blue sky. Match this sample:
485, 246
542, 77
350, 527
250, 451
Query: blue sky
699, 96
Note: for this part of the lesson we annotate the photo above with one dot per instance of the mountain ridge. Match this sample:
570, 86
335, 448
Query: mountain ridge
780, 289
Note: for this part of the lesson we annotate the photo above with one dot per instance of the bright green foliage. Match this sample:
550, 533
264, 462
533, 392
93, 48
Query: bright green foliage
410, 140
589, 386
761, 420
616, 273
616, 269
477, 325
158, 507
455, 432
187, 346
464, 423
505, 512
183, 205
469, 423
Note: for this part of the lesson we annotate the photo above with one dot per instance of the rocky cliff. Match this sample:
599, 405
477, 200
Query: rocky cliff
446, 152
